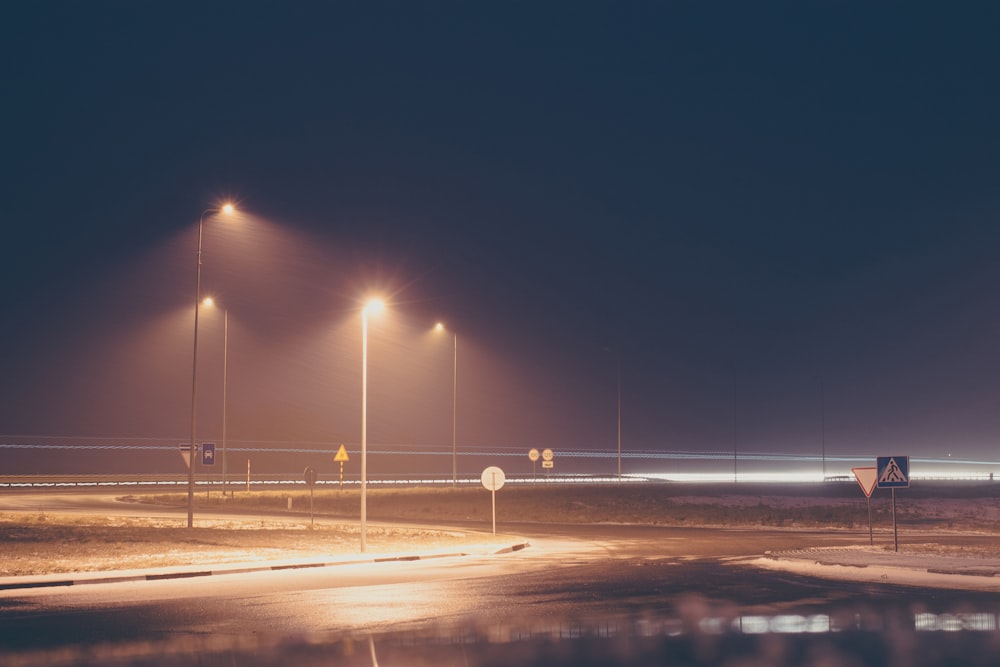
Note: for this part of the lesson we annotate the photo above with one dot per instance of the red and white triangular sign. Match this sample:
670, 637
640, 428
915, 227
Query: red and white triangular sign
185, 450
867, 478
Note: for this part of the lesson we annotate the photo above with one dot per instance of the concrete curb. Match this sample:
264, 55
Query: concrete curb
835, 557
43, 581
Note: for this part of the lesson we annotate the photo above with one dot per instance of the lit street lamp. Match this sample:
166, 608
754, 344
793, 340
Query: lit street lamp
454, 405
228, 209
618, 358
373, 306
225, 382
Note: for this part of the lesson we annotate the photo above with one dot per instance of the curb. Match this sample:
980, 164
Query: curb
806, 555
190, 574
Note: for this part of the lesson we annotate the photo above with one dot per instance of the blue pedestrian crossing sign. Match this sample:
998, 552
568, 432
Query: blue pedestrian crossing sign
208, 453
893, 472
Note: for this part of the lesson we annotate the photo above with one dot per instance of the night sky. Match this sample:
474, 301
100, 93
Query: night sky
778, 220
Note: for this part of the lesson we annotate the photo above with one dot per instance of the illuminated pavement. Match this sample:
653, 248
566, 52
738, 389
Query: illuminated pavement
194, 571
628, 590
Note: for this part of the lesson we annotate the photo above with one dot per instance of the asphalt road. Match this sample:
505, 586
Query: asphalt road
683, 595
585, 577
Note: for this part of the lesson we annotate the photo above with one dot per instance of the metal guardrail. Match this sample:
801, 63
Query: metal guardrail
261, 480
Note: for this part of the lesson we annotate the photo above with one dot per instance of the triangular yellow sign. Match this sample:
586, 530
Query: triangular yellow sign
341, 454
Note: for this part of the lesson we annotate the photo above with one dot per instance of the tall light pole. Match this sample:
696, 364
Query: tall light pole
228, 209
454, 406
618, 361
619, 421
209, 301
373, 306
225, 383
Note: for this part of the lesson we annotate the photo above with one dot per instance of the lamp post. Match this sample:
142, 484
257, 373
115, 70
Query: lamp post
209, 301
225, 383
228, 209
373, 306
619, 421
454, 405
618, 361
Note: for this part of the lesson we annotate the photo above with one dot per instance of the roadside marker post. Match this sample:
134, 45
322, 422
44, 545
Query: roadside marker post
893, 473
533, 457
340, 458
493, 479
867, 478
208, 459
310, 477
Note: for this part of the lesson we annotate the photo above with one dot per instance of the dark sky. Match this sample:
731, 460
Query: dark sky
780, 217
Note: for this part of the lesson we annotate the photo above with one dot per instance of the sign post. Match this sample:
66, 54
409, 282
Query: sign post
547, 462
533, 456
340, 458
310, 476
208, 459
493, 479
893, 473
867, 477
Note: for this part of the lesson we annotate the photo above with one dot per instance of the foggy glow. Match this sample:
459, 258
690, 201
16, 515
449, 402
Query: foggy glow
228, 208
208, 302
742, 477
439, 327
374, 306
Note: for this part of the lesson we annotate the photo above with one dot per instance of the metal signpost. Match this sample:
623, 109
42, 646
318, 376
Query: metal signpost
493, 479
547, 462
208, 459
867, 477
533, 456
893, 472
310, 476
340, 458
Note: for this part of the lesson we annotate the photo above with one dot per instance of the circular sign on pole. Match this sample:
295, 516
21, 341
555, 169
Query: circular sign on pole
547, 455
533, 454
493, 478
310, 475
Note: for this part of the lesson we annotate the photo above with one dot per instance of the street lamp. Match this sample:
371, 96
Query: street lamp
373, 306
225, 382
618, 359
619, 421
439, 327
227, 209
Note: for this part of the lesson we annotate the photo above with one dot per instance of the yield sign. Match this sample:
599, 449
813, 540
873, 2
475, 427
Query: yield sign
185, 450
867, 478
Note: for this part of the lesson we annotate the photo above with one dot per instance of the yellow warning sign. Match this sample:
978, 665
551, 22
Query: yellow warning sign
341, 455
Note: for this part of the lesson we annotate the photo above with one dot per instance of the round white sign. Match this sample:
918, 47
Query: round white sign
547, 454
533, 454
493, 478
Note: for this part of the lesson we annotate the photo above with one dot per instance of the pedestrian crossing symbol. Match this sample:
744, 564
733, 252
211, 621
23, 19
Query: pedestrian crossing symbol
893, 472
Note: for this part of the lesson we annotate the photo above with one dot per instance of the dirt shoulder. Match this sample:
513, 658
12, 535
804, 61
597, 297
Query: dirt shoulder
151, 530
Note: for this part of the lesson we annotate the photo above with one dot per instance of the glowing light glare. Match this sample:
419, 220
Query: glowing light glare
374, 306
743, 477
782, 624
228, 208
439, 327
974, 622
208, 302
